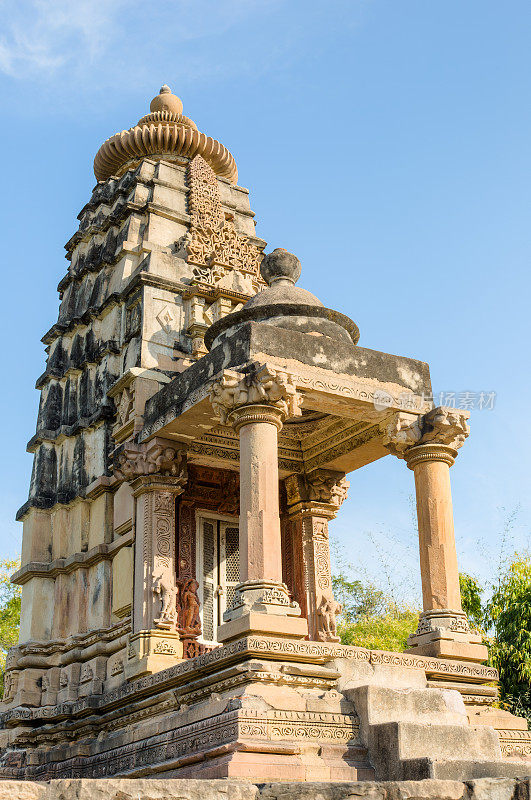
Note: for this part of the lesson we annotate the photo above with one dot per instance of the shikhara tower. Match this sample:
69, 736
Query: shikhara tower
199, 413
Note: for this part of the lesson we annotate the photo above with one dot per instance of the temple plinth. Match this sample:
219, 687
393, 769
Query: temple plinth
199, 415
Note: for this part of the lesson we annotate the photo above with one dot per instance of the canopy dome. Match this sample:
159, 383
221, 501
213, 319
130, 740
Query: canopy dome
163, 132
285, 305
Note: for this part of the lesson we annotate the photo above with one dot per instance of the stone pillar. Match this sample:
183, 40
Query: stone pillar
157, 475
312, 501
429, 445
260, 547
255, 404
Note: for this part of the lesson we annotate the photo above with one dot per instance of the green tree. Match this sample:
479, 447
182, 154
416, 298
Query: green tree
508, 614
9, 612
358, 599
386, 631
471, 600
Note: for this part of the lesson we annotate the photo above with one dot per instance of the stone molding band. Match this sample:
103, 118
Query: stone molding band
247, 415
63, 566
275, 648
430, 452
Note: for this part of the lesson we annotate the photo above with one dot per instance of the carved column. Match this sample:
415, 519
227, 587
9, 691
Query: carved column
255, 404
429, 445
312, 501
157, 474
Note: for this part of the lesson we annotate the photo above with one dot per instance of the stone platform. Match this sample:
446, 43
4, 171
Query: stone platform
266, 708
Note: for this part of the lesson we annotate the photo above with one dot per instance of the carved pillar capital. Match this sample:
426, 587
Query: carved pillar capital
435, 436
159, 458
261, 386
320, 492
256, 413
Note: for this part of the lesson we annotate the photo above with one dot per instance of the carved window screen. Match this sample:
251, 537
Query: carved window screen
218, 569
229, 563
209, 582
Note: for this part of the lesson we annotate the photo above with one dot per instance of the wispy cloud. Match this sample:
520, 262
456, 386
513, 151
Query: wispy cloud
41, 38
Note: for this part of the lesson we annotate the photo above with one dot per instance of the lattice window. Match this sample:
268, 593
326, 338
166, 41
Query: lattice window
232, 563
218, 570
209, 553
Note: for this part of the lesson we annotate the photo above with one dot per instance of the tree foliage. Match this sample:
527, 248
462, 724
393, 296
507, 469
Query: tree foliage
508, 615
471, 600
370, 617
9, 612
387, 631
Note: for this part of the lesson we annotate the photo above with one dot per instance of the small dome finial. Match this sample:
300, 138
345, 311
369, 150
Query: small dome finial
280, 266
166, 101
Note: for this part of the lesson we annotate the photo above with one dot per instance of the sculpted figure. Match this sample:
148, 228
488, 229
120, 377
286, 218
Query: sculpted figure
168, 599
327, 619
190, 621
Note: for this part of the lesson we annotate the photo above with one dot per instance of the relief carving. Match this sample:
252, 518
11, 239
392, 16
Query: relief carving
327, 625
401, 433
189, 619
213, 245
319, 486
152, 458
326, 487
443, 426
124, 404
264, 385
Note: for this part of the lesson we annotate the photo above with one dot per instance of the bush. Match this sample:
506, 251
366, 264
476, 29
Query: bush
387, 631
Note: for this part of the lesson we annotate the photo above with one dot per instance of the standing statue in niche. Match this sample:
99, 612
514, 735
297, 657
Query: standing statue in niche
168, 601
327, 619
190, 605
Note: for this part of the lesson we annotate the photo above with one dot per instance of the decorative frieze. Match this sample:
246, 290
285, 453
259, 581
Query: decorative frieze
214, 247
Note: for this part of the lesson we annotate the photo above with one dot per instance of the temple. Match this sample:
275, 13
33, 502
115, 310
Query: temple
200, 413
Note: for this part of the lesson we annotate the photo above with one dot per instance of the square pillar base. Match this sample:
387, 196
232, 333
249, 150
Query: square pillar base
152, 651
443, 633
447, 648
265, 624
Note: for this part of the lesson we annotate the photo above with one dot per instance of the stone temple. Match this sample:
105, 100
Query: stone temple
199, 415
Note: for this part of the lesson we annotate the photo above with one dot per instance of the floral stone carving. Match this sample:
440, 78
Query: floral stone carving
264, 385
444, 426
157, 457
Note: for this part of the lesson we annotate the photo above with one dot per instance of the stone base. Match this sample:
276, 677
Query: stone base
443, 633
447, 648
152, 651
265, 624
265, 708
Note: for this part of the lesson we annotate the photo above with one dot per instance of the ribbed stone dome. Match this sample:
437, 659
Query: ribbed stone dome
286, 306
163, 132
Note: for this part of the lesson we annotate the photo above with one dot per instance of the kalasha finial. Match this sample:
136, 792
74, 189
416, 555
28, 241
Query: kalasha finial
166, 101
280, 266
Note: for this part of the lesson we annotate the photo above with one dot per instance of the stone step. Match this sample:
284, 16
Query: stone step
379, 704
423, 768
391, 744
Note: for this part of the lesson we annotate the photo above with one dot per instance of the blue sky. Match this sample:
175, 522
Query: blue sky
385, 142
